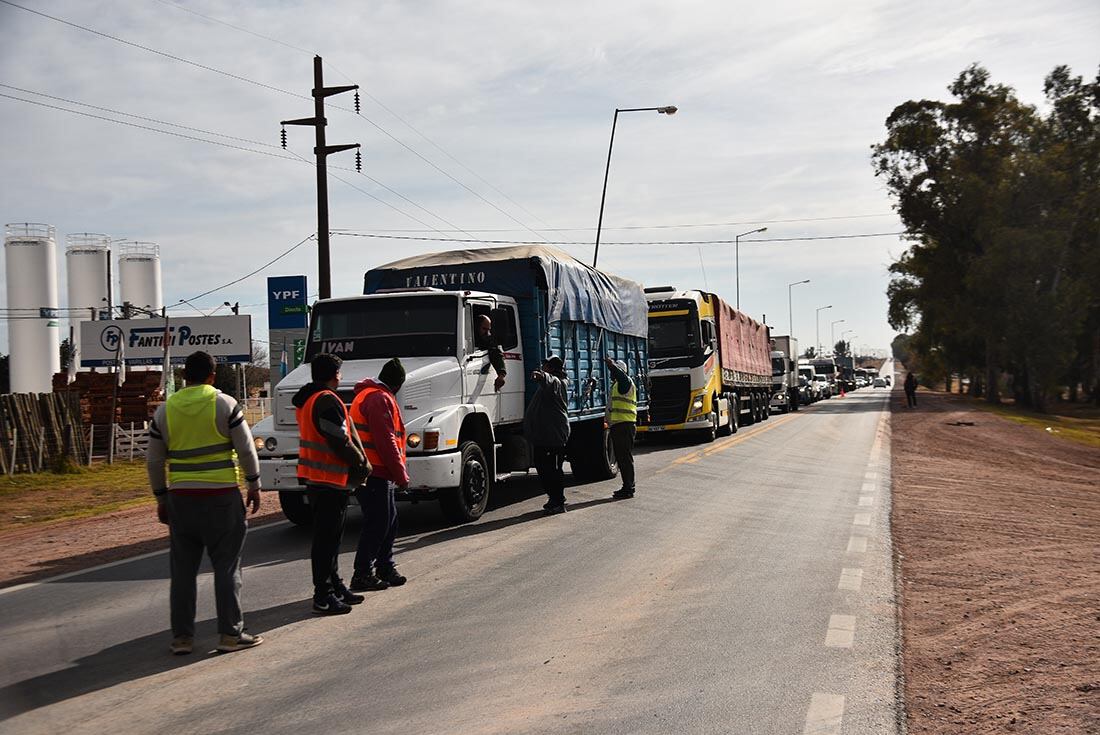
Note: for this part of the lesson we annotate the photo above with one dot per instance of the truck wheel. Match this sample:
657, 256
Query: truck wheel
295, 508
765, 408
749, 417
593, 458
735, 416
467, 502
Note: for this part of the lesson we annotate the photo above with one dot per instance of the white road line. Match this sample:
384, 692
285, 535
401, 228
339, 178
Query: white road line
866, 501
850, 579
869, 488
826, 714
862, 519
108, 565
842, 631
857, 544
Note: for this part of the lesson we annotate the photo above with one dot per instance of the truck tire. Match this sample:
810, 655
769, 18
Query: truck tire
749, 417
467, 502
765, 407
592, 458
295, 507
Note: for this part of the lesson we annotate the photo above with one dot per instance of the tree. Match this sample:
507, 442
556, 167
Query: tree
810, 353
842, 348
67, 352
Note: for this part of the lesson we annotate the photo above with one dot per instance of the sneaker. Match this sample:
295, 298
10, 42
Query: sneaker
330, 605
230, 643
367, 583
182, 645
346, 596
622, 494
391, 576
553, 510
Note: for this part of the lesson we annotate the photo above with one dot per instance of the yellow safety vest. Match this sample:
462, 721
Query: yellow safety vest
624, 406
197, 451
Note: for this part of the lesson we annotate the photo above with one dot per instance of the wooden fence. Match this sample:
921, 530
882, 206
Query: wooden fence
36, 428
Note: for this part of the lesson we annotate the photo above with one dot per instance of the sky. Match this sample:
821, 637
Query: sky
490, 121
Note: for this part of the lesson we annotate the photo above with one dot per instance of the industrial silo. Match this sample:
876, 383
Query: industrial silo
30, 259
139, 277
87, 261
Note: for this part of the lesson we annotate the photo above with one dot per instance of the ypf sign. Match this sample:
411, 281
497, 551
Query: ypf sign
286, 302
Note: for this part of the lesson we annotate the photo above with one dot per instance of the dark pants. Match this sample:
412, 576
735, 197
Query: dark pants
379, 526
330, 507
911, 398
622, 441
215, 524
548, 461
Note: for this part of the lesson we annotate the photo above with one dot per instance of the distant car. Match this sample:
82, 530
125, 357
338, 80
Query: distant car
825, 389
880, 383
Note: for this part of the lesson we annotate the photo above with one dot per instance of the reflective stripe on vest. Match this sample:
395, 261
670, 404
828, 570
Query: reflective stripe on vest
624, 406
363, 428
197, 451
317, 464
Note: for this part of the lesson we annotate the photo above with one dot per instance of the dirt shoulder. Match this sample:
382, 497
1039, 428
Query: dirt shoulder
997, 528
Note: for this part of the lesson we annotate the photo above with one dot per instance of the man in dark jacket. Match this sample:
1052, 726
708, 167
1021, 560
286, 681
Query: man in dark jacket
331, 463
377, 419
911, 390
486, 341
546, 426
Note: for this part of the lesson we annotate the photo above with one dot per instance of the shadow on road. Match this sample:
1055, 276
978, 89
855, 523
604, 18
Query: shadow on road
132, 660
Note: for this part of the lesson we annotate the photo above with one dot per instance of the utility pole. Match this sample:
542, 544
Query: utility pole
322, 151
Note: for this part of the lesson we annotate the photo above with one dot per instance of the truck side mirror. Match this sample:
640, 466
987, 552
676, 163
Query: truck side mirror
504, 329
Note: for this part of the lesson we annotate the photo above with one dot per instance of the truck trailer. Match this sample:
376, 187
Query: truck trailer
461, 435
709, 364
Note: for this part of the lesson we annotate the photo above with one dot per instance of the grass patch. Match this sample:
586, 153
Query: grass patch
1076, 423
73, 492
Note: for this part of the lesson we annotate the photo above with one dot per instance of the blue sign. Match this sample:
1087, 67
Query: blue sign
286, 302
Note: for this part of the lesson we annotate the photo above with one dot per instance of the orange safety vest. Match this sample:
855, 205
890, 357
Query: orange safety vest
362, 425
317, 464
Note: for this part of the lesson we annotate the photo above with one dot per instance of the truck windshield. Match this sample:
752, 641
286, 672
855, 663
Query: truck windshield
778, 368
371, 328
673, 336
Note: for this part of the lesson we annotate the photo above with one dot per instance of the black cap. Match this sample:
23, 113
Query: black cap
393, 374
554, 363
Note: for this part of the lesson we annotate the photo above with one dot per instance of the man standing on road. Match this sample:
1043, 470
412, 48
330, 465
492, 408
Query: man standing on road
911, 390
622, 418
377, 419
198, 433
486, 341
546, 426
331, 464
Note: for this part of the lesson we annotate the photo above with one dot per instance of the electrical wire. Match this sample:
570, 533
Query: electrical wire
644, 242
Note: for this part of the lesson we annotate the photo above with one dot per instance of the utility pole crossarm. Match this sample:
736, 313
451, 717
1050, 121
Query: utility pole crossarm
338, 148
329, 91
304, 121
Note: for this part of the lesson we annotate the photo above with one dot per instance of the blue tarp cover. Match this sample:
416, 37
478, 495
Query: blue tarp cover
576, 292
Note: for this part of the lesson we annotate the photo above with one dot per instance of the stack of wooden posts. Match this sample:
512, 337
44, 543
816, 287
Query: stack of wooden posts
35, 428
138, 396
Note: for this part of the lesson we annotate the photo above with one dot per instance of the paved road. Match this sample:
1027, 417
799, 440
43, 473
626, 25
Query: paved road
748, 588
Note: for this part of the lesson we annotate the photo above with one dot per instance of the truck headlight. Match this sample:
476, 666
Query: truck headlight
697, 405
271, 443
413, 440
259, 442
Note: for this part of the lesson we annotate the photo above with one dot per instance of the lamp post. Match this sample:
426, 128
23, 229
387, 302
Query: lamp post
737, 261
666, 110
817, 323
832, 332
790, 312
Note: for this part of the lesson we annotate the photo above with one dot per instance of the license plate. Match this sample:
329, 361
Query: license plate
654, 428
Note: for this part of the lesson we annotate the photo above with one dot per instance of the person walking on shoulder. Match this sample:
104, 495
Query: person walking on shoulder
378, 422
911, 390
331, 464
546, 426
200, 434
622, 418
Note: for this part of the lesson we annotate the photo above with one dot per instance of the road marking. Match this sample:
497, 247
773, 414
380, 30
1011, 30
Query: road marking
842, 631
862, 519
850, 579
857, 544
698, 454
868, 487
826, 714
120, 562
866, 501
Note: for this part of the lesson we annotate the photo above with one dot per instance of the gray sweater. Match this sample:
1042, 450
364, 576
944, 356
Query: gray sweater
230, 423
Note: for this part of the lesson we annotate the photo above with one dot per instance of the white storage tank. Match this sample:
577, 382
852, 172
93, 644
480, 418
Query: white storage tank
139, 277
30, 261
87, 261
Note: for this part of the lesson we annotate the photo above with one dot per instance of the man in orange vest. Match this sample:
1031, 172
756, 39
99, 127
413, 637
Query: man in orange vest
377, 419
331, 464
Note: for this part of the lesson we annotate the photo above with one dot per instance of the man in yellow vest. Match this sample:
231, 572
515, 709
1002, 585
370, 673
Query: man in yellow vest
201, 434
622, 418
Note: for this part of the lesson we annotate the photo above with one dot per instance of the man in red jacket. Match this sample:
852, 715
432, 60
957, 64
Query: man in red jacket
377, 419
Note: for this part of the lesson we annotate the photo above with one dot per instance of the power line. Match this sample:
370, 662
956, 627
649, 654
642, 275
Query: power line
237, 28
266, 265
644, 242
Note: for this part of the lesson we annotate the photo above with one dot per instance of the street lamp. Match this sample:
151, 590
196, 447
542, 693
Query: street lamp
737, 261
790, 313
666, 110
832, 332
817, 323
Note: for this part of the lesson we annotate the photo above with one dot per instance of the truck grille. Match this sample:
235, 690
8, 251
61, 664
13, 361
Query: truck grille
668, 399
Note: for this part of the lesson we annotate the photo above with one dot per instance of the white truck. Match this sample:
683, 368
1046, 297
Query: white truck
461, 435
785, 394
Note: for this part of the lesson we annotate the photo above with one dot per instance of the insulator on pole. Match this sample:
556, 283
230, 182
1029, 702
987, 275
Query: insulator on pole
358, 161
357, 102
282, 135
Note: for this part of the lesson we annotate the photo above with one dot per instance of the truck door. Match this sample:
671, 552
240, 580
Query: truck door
477, 374
505, 329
